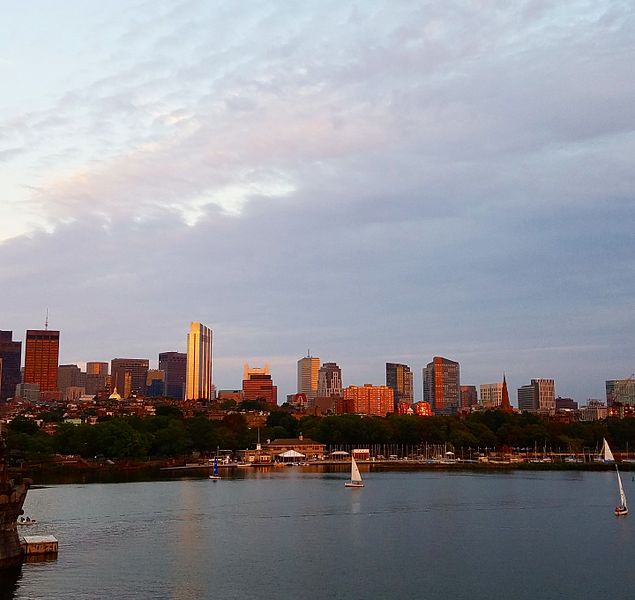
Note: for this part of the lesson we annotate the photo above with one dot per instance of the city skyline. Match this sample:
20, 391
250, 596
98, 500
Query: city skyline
380, 183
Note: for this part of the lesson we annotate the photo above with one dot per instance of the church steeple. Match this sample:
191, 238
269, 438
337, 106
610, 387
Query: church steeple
505, 405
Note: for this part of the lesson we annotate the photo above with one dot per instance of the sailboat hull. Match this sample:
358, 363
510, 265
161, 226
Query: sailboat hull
354, 484
621, 511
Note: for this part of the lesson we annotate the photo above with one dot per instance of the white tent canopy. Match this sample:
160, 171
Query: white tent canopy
291, 454
339, 453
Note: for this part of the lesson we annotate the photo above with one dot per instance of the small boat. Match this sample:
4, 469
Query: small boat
606, 456
215, 476
622, 509
356, 478
26, 521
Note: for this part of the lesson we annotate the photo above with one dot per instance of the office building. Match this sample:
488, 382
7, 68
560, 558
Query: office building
28, 391
308, 368
329, 380
442, 386
538, 397
376, 400
41, 360
399, 380
198, 384
128, 376
96, 368
70, 376
174, 365
258, 385
620, 391
469, 397
155, 383
11, 358
491, 395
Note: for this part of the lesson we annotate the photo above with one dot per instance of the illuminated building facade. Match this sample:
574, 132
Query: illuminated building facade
442, 386
399, 380
41, 359
376, 400
198, 384
308, 368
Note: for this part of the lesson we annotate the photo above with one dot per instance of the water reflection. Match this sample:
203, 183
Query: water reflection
9, 583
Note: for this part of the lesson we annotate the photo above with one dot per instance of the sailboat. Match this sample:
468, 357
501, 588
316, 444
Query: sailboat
606, 456
356, 478
622, 509
215, 474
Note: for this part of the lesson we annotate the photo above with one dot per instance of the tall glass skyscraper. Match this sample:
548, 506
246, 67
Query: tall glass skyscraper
199, 363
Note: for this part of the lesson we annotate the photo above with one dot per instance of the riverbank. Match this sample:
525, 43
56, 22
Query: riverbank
113, 472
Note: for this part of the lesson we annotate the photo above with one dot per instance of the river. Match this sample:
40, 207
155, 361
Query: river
290, 534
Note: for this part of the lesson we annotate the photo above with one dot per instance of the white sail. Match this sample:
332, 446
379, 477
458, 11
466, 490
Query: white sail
606, 454
622, 494
355, 474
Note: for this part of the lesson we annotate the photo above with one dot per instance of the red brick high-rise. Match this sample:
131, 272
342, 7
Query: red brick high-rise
41, 357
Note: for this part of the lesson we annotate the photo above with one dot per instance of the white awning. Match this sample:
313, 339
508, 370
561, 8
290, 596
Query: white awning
339, 453
291, 454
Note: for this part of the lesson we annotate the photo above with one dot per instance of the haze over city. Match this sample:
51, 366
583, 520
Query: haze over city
376, 182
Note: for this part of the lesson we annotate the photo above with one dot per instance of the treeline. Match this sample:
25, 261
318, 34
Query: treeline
168, 434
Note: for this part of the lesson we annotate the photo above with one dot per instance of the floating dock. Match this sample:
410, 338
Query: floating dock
39, 545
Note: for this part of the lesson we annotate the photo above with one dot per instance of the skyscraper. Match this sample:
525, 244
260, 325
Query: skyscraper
128, 375
199, 363
96, 368
442, 386
11, 357
174, 365
329, 380
399, 380
308, 368
41, 359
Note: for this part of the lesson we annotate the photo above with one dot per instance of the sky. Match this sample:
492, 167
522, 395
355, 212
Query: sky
374, 181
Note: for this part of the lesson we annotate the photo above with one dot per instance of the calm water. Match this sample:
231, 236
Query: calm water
303, 535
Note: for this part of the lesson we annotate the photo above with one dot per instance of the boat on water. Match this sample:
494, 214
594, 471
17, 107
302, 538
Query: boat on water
622, 509
26, 521
215, 476
356, 477
606, 456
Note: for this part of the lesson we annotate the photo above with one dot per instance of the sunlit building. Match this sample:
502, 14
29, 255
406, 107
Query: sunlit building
96, 368
491, 395
423, 409
329, 380
308, 368
538, 397
376, 400
399, 380
41, 360
442, 386
199, 363
258, 385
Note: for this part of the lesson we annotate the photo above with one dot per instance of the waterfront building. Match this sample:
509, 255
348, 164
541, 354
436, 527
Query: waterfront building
491, 395
442, 386
41, 361
399, 380
329, 380
129, 375
376, 400
96, 368
308, 368
620, 391
174, 365
10, 359
538, 397
469, 397
258, 385
198, 384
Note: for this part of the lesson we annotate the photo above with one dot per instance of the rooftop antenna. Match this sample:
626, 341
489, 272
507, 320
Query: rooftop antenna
308, 353
46, 323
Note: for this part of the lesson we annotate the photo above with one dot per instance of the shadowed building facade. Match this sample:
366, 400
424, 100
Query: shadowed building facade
198, 384
442, 386
174, 365
41, 360
10, 357
129, 375
538, 397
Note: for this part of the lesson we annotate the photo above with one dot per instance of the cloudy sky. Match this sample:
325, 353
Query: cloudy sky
376, 181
